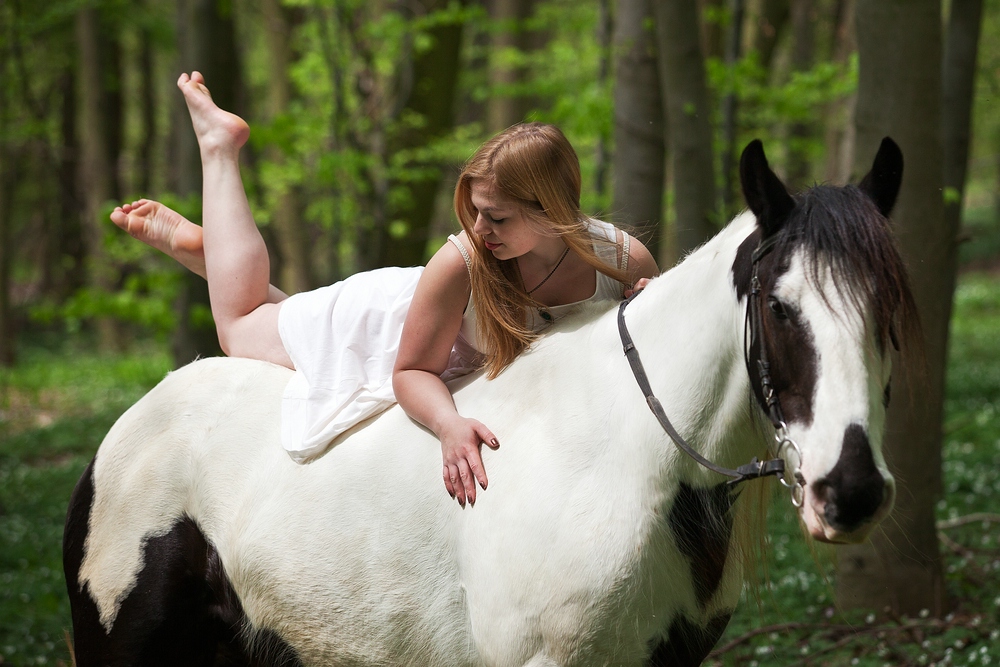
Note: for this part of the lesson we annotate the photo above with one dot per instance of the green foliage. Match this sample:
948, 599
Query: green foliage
768, 107
148, 284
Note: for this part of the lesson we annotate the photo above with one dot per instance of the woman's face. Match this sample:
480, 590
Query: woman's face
501, 223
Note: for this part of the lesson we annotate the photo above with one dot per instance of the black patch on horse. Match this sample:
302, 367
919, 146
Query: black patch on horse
854, 489
687, 644
702, 522
743, 264
182, 610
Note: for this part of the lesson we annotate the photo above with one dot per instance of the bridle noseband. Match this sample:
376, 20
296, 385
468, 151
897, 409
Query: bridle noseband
752, 331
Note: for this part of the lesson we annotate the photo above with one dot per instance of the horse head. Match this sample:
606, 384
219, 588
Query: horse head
826, 292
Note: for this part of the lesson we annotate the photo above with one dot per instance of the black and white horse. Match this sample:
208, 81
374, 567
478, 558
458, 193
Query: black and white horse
192, 538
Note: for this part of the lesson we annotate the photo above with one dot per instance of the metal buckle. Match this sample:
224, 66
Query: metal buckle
797, 487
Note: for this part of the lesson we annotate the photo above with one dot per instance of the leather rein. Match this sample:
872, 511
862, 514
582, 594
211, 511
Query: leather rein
752, 331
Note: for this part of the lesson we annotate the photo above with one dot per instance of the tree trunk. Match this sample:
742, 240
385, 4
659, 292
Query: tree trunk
689, 123
959, 77
7, 182
94, 176
803, 52
207, 37
727, 165
771, 23
713, 36
431, 98
839, 138
67, 254
639, 160
602, 151
294, 243
110, 56
507, 107
899, 95
147, 95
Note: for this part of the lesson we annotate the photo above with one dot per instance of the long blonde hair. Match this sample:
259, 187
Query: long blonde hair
534, 165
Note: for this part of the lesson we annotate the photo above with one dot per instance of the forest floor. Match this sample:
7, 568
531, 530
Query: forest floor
59, 401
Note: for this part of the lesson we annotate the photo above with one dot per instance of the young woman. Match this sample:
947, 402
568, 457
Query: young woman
526, 255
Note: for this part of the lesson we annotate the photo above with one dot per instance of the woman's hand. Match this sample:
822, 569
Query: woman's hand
461, 439
637, 287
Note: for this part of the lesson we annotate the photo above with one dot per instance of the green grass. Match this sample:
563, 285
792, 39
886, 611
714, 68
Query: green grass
56, 406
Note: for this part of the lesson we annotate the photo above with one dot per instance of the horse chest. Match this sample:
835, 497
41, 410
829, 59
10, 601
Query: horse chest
701, 523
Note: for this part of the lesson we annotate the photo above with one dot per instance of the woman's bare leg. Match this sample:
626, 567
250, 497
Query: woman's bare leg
168, 231
236, 262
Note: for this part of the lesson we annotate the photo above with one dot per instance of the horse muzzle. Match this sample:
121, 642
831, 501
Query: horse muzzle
833, 516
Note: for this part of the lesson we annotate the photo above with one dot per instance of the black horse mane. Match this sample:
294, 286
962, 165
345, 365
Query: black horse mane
842, 229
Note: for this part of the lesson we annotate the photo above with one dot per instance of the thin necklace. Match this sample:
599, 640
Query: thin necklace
545, 279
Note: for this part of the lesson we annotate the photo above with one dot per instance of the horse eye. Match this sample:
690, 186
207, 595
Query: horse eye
777, 308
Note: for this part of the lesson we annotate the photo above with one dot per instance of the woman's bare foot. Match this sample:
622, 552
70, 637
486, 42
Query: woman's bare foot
164, 229
217, 130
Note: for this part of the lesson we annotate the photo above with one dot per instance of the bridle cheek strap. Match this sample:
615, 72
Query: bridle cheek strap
753, 470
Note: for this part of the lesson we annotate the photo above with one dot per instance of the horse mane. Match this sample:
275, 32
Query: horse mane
841, 230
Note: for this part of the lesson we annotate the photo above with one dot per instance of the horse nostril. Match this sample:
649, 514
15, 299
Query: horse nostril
849, 507
854, 490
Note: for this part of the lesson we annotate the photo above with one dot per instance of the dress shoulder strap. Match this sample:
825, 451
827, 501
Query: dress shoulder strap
623, 265
461, 248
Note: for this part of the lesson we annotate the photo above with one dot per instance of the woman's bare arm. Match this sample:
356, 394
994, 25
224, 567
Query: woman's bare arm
432, 325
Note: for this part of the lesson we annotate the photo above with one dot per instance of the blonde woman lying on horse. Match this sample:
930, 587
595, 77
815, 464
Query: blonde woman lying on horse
526, 256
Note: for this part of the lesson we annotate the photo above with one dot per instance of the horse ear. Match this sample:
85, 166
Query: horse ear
882, 182
765, 193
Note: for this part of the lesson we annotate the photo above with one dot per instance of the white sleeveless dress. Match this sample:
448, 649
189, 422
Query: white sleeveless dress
344, 338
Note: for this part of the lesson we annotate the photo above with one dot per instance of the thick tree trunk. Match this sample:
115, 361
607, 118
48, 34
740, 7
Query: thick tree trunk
639, 161
432, 98
94, 175
689, 122
899, 95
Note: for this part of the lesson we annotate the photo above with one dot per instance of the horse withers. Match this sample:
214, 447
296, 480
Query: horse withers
192, 538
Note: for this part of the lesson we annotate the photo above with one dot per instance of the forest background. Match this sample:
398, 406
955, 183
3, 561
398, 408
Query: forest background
362, 112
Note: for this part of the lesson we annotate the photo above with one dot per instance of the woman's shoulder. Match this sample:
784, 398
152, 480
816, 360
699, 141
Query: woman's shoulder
448, 268
641, 262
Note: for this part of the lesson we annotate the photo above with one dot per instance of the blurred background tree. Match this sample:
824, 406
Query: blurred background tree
362, 112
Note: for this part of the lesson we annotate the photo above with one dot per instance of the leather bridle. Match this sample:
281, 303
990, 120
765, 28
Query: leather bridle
752, 332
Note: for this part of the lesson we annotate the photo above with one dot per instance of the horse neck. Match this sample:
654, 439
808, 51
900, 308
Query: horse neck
689, 333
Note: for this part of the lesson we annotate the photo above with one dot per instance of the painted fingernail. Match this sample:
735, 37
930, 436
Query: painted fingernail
495, 443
